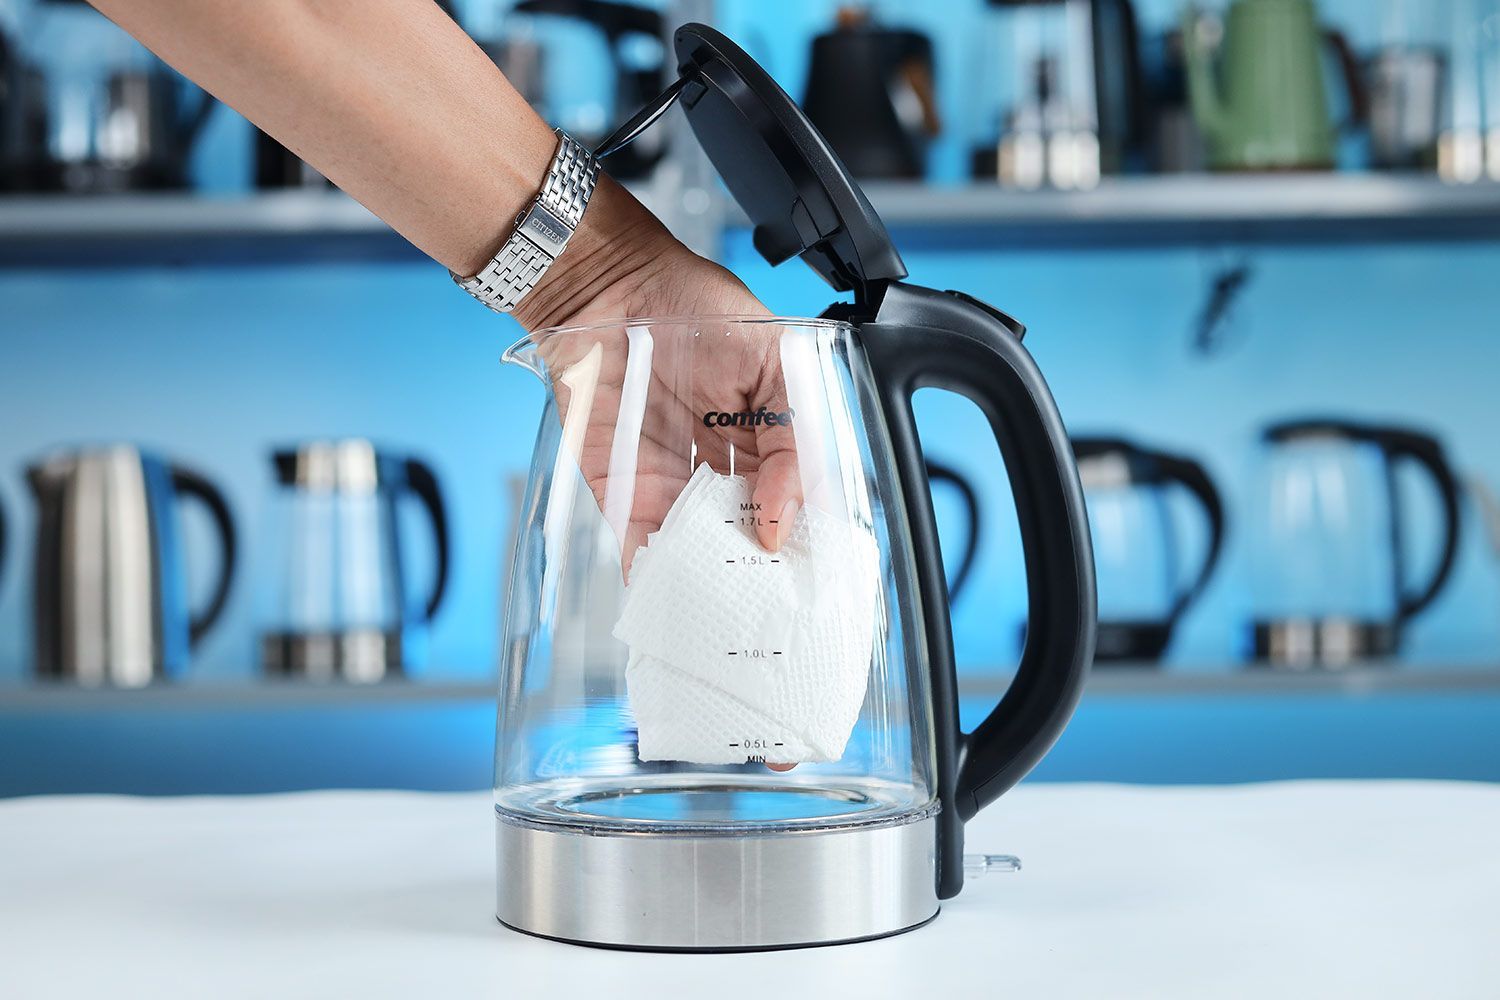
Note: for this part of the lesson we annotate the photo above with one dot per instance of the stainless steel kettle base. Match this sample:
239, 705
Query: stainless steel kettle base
359, 655
1291, 643
683, 892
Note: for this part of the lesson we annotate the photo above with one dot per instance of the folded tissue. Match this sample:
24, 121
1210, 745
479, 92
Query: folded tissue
737, 653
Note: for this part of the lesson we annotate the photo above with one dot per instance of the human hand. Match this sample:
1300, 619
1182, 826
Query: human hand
652, 275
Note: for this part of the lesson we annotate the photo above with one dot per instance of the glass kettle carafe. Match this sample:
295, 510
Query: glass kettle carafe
343, 603
542, 46
1327, 540
728, 713
1137, 543
101, 114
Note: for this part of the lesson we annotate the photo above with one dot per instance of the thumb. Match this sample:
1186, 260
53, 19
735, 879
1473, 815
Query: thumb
777, 494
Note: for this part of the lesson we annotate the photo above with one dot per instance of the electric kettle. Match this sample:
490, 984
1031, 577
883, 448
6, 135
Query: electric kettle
1059, 92
115, 116
110, 590
1267, 107
1328, 541
539, 48
344, 608
1137, 542
728, 714
968, 496
870, 92
23, 119
3, 540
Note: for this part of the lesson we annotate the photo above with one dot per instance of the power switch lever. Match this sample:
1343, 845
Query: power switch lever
1006, 320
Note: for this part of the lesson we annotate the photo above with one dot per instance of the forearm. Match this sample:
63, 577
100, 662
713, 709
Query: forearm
397, 106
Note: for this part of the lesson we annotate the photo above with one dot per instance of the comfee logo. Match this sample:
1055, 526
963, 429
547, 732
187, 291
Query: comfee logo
749, 418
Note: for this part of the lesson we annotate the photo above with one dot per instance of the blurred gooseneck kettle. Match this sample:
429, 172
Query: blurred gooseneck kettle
871, 92
1328, 531
110, 591
628, 812
1133, 530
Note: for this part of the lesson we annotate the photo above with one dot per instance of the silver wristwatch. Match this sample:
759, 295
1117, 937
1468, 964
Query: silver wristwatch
542, 230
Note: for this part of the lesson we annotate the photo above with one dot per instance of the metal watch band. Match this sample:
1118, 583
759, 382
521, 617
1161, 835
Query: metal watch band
542, 230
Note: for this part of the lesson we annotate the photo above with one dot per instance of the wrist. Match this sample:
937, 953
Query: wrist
618, 247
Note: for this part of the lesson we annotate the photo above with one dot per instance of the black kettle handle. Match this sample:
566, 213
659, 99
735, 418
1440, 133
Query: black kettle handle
940, 473
1194, 478
423, 482
189, 484
1427, 452
923, 338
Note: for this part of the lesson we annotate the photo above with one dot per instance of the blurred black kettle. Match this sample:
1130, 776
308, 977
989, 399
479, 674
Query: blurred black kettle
1143, 592
969, 497
870, 92
638, 70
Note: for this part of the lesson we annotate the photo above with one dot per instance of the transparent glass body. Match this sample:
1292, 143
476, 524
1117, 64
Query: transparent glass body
1135, 552
335, 540
338, 561
1322, 530
784, 408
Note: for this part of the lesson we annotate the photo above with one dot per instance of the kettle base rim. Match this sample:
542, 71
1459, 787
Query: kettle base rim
659, 949
1328, 641
713, 893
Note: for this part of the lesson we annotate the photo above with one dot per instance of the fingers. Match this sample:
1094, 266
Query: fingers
777, 493
777, 497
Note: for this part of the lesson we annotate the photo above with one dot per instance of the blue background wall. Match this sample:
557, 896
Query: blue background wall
214, 366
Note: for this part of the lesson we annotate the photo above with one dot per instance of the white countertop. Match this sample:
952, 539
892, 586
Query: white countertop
1331, 889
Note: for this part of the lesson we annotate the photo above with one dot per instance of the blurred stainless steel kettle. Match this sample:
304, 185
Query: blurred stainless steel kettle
110, 589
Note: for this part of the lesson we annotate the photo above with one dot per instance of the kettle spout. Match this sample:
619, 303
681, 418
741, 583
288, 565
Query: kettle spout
1203, 86
525, 353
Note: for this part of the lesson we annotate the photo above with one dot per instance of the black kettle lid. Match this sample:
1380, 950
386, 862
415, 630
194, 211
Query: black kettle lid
798, 195
800, 199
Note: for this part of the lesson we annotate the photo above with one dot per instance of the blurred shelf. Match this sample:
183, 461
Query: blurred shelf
978, 683
1239, 679
60, 231
1186, 209
241, 694
1134, 724
148, 229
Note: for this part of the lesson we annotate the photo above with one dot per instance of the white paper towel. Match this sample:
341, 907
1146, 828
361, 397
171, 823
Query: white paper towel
736, 652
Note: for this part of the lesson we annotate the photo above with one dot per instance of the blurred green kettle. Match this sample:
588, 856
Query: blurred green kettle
1266, 107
